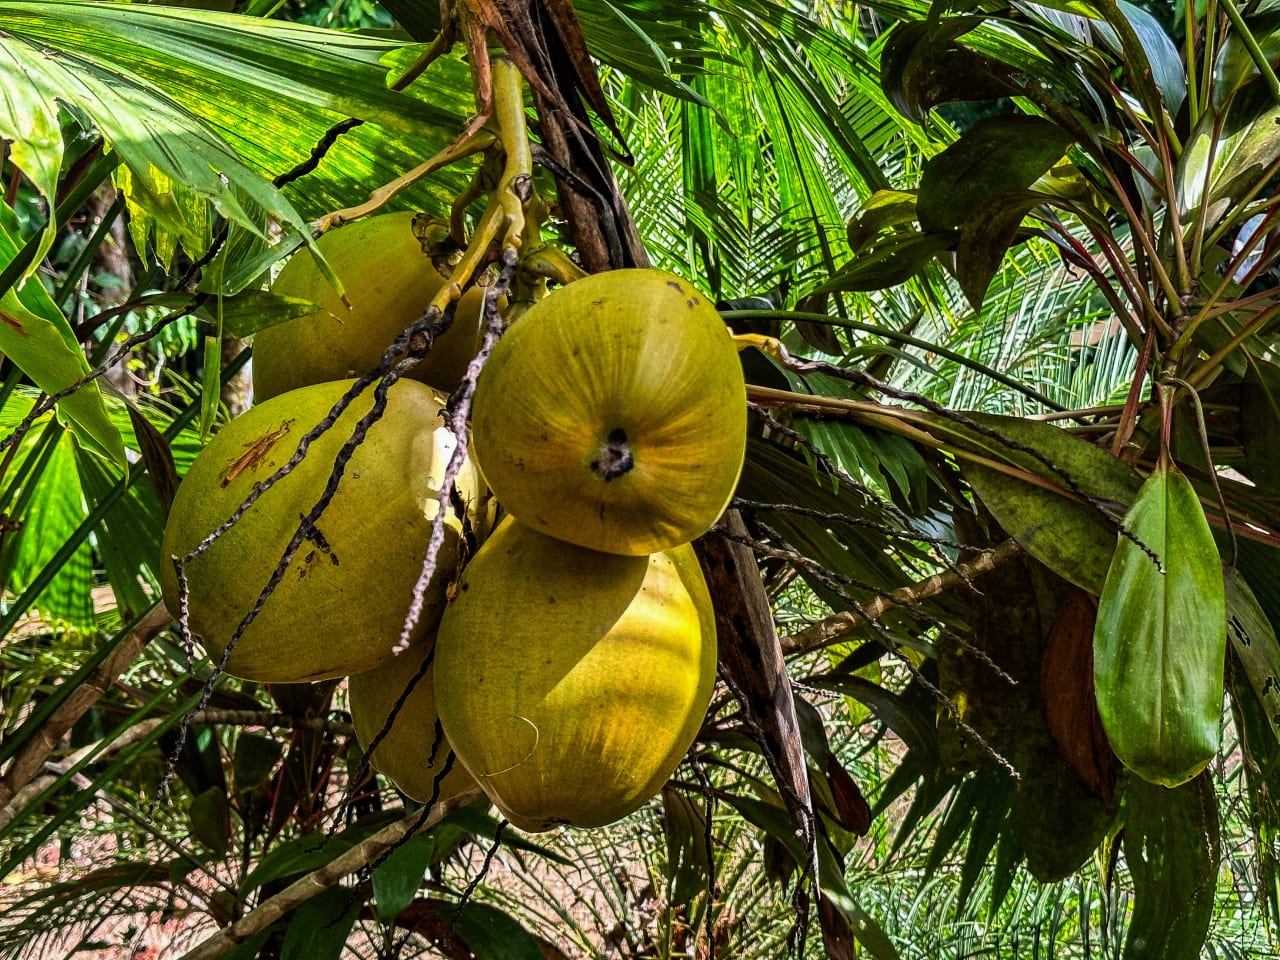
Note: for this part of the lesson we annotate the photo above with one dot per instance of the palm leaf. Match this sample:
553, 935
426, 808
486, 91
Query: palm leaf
205, 108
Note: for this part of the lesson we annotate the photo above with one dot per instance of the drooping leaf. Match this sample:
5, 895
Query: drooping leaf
161, 469
1070, 704
997, 155
319, 928
1171, 844
493, 934
1056, 524
882, 211
397, 878
1160, 638
1253, 639
256, 755
1154, 66
38, 339
210, 819
1260, 425
986, 235
1261, 750
923, 65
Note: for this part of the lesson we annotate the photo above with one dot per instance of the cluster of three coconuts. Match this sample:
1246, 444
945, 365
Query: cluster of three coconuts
574, 665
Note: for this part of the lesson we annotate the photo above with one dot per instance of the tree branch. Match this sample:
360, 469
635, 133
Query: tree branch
28, 760
316, 882
834, 628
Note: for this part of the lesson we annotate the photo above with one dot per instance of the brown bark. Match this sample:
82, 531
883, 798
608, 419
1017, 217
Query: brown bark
28, 761
753, 666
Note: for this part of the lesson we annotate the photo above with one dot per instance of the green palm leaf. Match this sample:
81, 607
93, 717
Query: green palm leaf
202, 107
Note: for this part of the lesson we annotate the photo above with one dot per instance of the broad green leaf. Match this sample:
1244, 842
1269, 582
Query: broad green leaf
986, 235
256, 755
319, 928
1229, 154
1161, 54
922, 66
54, 508
883, 210
29, 124
495, 935
997, 155
397, 878
1160, 638
310, 852
1235, 65
888, 262
1152, 62
1260, 424
1059, 527
37, 337
1253, 638
210, 819
1171, 844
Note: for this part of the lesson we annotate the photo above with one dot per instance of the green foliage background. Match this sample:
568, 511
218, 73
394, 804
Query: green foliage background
1021, 260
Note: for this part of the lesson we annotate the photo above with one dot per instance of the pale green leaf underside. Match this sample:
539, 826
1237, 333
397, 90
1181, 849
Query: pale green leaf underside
36, 336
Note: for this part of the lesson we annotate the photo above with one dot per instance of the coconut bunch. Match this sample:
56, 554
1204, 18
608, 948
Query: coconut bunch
573, 666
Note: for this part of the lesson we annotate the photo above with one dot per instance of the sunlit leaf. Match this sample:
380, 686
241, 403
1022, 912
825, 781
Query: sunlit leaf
37, 337
54, 509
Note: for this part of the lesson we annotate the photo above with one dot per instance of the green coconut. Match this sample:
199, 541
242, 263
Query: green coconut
340, 605
571, 682
389, 281
613, 414
409, 755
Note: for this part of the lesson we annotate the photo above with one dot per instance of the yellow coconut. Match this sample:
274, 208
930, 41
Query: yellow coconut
613, 414
572, 682
339, 606
409, 755
389, 281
